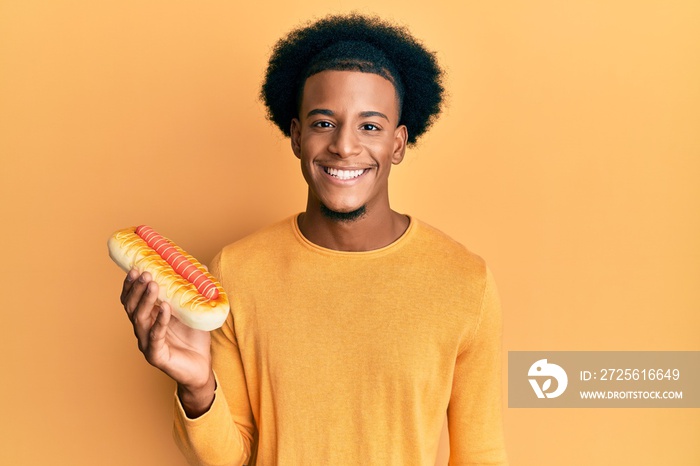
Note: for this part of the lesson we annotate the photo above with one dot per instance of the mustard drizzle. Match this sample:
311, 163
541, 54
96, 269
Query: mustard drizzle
143, 255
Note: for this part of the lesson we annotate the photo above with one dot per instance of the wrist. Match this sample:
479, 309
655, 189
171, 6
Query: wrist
197, 400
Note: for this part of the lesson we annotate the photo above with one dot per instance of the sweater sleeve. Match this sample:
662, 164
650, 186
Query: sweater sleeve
474, 412
224, 434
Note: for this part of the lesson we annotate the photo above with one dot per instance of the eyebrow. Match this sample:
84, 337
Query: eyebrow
327, 112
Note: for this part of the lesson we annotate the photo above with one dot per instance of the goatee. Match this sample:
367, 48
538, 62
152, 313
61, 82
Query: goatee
343, 216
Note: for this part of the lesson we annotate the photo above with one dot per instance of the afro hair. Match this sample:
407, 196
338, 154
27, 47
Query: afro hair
354, 42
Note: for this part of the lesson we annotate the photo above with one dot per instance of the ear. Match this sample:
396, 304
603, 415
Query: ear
295, 137
400, 139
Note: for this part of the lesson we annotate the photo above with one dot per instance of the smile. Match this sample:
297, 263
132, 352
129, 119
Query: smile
344, 174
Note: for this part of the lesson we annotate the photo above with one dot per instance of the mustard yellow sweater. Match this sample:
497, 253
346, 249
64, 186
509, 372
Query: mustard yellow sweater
347, 358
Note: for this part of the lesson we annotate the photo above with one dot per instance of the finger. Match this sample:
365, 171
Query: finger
157, 335
134, 295
128, 283
145, 314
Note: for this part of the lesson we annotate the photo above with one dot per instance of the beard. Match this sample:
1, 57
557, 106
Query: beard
343, 216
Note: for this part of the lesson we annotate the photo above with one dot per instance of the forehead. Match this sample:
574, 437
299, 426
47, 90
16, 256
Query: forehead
351, 92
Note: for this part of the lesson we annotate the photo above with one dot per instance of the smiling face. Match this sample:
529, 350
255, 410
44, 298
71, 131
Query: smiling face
347, 137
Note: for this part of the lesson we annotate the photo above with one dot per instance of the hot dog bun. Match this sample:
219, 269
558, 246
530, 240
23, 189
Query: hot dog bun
130, 251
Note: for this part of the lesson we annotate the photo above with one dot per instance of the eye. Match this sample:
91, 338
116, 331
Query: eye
370, 127
322, 124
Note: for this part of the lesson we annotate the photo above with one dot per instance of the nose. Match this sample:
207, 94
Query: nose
345, 142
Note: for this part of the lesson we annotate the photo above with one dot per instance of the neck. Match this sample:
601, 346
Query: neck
376, 228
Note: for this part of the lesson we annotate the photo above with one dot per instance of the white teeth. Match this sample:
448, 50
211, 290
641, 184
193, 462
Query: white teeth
344, 174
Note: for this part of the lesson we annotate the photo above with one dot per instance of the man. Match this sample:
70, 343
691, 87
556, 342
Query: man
354, 329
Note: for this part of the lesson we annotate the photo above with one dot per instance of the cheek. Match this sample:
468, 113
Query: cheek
307, 170
383, 146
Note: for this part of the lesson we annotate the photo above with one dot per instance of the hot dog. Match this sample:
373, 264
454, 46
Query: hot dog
195, 296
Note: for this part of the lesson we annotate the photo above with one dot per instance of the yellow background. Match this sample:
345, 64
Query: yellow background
568, 156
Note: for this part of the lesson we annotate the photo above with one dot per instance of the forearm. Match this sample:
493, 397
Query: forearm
213, 423
214, 437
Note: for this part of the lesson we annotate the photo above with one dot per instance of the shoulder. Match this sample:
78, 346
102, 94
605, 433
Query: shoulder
254, 250
451, 254
280, 231
456, 277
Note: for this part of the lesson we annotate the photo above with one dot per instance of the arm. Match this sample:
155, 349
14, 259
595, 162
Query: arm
474, 412
223, 434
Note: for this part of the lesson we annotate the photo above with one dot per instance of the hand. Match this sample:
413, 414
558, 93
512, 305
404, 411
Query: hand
181, 352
